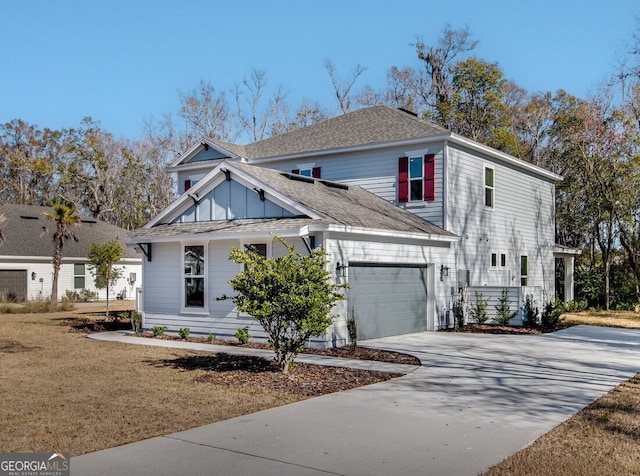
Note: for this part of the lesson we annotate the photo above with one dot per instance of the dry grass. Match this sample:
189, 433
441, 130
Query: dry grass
628, 319
64, 392
601, 440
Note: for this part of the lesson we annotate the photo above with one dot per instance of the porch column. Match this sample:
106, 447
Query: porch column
568, 277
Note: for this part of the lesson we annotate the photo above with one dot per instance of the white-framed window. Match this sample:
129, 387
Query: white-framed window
194, 259
307, 170
503, 259
79, 281
524, 270
416, 179
489, 186
493, 264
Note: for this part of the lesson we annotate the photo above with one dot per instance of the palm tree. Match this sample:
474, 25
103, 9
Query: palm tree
2, 220
65, 217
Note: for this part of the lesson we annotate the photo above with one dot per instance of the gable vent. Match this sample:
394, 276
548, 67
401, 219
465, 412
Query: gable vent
299, 178
341, 186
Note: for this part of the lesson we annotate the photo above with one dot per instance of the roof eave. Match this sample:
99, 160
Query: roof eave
353, 230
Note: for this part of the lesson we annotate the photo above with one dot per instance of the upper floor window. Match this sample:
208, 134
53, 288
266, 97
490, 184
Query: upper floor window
489, 187
416, 178
307, 172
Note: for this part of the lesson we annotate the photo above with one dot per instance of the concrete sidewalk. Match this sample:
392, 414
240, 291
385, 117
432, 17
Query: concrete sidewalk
125, 337
475, 400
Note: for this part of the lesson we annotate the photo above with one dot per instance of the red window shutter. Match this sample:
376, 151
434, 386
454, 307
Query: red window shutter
429, 177
315, 172
187, 185
403, 179
296, 171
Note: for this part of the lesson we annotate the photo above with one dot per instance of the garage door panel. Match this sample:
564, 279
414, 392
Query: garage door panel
13, 285
388, 300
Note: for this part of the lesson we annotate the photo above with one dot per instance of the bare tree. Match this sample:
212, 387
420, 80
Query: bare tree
439, 59
254, 115
342, 87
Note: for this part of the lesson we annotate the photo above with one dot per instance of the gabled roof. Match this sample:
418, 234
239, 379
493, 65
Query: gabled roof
319, 203
371, 127
28, 233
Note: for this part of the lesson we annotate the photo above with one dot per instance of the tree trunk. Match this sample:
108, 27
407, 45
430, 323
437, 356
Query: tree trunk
107, 311
607, 284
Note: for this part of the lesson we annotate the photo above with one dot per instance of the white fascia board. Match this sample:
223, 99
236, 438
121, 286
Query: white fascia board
509, 159
356, 148
471, 144
217, 236
197, 147
210, 180
380, 233
178, 203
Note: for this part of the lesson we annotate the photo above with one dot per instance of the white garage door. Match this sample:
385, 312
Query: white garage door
387, 300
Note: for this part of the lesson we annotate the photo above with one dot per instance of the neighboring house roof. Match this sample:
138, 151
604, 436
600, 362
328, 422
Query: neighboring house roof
370, 127
349, 207
28, 233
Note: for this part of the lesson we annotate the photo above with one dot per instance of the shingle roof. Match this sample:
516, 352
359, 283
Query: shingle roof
371, 125
27, 232
336, 204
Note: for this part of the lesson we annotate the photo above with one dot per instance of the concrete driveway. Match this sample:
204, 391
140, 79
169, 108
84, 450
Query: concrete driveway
475, 400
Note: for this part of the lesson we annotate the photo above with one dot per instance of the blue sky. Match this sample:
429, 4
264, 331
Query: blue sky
121, 61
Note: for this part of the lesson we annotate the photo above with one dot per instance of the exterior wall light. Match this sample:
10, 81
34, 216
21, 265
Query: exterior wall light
444, 272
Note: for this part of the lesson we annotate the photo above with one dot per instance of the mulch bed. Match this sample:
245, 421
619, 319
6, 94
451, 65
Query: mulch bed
304, 380
493, 329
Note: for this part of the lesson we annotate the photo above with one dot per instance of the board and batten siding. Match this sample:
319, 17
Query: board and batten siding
163, 291
521, 223
377, 171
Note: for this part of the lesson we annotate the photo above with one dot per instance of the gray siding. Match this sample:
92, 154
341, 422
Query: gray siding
377, 172
520, 224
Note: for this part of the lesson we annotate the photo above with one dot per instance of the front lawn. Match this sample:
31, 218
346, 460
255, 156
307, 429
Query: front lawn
64, 392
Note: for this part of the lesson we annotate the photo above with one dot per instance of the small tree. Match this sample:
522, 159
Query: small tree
503, 311
102, 263
478, 309
290, 296
531, 312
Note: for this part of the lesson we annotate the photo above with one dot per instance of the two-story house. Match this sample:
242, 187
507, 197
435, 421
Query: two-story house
414, 217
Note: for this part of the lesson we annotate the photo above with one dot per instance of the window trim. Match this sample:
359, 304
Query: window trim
83, 275
502, 263
205, 276
259, 241
491, 188
524, 270
493, 255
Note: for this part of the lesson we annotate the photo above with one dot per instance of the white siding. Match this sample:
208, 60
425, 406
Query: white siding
520, 224
439, 296
43, 269
163, 289
377, 171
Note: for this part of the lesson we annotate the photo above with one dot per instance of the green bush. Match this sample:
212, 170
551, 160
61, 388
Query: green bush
531, 312
136, 321
184, 332
503, 311
210, 337
82, 296
242, 334
290, 296
478, 311
551, 313
158, 331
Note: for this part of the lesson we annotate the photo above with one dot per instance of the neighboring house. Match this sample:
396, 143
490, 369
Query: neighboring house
26, 269
490, 217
